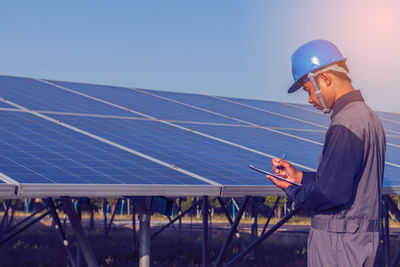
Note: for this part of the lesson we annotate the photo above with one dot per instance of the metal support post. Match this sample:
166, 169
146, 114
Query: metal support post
12, 213
270, 215
232, 232
79, 233
386, 234
61, 234
122, 208
254, 224
205, 254
7, 237
134, 243
91, 209
5, 216
79, 260
180, 217
144, 239
254, 219
23, 221
112, 217
105, 215
262, 238
195, 204
210, 227
237, 234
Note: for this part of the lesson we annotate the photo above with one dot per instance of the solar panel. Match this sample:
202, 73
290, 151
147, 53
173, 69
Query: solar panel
37, 95
223, 163
150, 105
39, 154
238, 112
145, 142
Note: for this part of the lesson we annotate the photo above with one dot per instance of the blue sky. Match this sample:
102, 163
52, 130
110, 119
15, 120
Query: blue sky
229, 48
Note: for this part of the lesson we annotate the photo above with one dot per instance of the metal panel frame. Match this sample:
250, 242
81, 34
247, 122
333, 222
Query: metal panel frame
8, 190
115, 190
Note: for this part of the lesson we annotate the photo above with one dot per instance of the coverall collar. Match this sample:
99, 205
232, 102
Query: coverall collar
346, 99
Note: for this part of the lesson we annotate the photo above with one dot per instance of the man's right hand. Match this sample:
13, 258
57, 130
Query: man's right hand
284, 169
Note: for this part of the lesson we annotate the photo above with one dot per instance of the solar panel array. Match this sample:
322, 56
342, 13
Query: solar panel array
62, 138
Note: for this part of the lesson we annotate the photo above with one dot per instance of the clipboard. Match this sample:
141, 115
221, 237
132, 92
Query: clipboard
274, 175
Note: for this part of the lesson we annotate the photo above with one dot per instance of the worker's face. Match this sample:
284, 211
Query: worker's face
324, 83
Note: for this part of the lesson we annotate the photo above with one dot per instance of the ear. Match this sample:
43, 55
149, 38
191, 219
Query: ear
325, 79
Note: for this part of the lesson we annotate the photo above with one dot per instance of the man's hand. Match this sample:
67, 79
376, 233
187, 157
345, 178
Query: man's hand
284, 169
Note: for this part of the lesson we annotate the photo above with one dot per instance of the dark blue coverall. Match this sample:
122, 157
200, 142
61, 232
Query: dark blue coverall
344, 194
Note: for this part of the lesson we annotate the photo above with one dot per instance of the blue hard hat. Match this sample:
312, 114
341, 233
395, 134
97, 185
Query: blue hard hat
312, 56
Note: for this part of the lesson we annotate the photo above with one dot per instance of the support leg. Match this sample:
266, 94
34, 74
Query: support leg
254, 224
144, 236
233, 230
262, 238
237, 234
61, 234
105, 215
112, 217
5, 216
386, 235
205, 254
270, 215
195, 204
79, 233
180, 217
134, 243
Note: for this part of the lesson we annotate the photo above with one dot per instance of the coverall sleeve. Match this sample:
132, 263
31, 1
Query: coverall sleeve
342, 157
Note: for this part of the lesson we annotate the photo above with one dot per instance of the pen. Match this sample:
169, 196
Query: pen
284, 155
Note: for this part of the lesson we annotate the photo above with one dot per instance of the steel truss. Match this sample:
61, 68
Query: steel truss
84, 247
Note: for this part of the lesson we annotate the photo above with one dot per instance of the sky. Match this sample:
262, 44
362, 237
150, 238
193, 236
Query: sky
226, 48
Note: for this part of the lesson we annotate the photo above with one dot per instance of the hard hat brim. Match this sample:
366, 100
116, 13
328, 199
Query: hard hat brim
297, 84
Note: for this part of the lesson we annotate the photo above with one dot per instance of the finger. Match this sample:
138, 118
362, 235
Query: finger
281, 184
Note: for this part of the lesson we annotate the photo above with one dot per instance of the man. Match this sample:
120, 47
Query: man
344, 193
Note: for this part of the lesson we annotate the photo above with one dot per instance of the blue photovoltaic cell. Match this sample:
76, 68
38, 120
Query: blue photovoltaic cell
36, 95
393, 154
391, 127
34, 150
235, 111
286, 109
220, 162
390, 116
393, 139
144, 103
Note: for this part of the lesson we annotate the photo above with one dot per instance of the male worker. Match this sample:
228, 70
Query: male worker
344, 193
